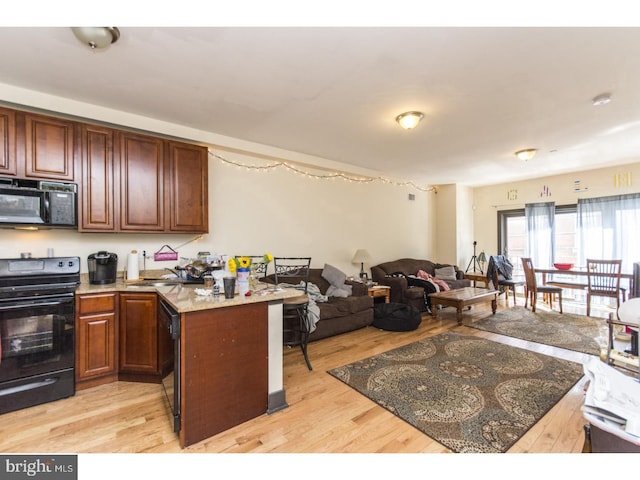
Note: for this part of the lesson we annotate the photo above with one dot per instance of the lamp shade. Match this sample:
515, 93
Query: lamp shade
482, 258
361, 256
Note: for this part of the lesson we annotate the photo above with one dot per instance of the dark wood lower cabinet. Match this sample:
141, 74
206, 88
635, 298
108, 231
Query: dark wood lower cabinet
138, 337
96, 331
118, 338
224, 369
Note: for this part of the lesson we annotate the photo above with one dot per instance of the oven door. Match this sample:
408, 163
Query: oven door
37, 351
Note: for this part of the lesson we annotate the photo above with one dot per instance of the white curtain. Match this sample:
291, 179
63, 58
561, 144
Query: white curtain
540, 246
609, 229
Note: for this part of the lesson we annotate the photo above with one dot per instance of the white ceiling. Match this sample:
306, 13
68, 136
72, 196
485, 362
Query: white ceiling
334, 92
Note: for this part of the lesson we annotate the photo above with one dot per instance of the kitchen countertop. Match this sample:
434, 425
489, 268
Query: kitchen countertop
184, 297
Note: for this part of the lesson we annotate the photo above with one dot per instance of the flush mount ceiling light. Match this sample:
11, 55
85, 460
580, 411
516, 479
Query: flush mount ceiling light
601, 99
409, 120
97, 37
526, 154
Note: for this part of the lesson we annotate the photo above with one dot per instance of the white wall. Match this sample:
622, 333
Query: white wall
561, 189
254, 210
454, 225
464, 227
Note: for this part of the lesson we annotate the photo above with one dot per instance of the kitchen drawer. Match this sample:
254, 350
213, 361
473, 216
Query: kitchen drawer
96, 303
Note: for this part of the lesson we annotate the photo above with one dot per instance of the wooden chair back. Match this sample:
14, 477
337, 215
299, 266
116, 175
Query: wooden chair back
603, 277
529, 274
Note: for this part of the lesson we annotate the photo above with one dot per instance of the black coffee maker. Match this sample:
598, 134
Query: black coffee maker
102, 268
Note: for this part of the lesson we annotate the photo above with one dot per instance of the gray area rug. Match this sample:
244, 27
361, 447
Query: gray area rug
564, 330
470, 394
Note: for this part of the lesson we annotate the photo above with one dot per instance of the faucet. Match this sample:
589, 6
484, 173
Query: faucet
174, 272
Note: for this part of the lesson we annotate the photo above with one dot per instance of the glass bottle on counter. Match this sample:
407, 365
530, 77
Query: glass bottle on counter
253, 282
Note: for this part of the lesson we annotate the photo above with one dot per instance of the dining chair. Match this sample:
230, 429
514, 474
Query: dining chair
603, 280
295, 311
532, 289
259, 266
500, 269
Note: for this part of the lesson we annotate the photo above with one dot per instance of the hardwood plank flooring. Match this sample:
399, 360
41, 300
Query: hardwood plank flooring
324, 415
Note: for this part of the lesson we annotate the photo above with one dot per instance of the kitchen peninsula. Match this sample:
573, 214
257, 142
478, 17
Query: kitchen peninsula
230, 358
228, 355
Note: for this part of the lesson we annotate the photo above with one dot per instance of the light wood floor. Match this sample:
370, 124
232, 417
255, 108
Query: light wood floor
324, 415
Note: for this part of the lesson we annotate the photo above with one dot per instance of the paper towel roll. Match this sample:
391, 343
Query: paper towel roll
133, 271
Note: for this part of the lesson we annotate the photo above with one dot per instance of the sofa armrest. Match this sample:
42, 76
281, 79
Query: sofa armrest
358, 289
398, 286
399, 283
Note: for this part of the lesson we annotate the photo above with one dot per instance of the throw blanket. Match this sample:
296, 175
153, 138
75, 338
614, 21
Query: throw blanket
441, 284
500, 265
314, 294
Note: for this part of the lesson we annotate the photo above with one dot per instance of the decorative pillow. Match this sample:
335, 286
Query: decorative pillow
446, 273
344, 291
334, 276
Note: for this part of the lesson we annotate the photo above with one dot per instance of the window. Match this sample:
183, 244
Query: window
512, 235
605, 227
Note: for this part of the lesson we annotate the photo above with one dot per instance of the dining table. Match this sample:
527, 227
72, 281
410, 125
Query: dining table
577, 272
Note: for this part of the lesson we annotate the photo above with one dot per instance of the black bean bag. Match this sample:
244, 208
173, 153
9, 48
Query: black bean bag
396, 317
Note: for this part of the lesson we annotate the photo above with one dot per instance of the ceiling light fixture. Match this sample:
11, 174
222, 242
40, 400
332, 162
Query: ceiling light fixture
601, 99
409, 120
526, 154
97, 37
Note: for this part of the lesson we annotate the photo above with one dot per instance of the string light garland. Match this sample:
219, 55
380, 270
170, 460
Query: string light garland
328, 176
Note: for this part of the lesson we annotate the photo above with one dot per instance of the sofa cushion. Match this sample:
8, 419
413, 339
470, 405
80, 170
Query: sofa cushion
341, 307
446, 273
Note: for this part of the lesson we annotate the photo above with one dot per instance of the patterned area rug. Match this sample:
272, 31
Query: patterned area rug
469, 394
564, 330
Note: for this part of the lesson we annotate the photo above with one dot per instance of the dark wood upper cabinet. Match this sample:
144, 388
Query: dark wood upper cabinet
140, 183
49, 147
97, 187
7, 142
142, 167
127, 181
187, 188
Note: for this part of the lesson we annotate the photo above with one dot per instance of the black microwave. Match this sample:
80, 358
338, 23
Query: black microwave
39, 203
